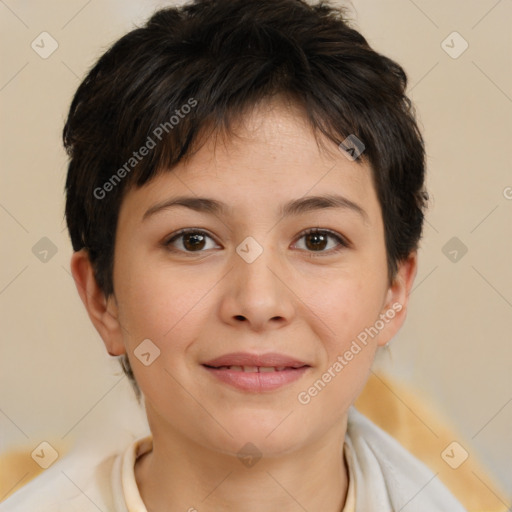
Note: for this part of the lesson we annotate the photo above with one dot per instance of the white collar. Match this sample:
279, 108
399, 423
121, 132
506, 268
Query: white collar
382, 474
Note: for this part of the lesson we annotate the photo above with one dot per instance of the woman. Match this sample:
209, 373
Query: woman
245, 199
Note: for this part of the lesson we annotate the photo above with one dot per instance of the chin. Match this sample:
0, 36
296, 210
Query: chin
270, 435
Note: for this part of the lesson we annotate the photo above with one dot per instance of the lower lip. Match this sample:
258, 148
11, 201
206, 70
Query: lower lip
257, 382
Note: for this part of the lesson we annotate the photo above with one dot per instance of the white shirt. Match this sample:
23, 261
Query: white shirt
383, 477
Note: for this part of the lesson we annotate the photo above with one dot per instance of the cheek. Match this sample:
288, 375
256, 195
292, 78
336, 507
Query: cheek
347, 307
160, 305
345, 310
169, 310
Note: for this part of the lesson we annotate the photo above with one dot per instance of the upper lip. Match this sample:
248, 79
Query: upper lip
247, 359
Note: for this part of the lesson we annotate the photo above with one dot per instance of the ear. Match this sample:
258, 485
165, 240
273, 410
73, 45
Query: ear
394, 311
102, 310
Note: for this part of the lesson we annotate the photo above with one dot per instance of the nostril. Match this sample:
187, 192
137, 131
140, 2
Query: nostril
240, 317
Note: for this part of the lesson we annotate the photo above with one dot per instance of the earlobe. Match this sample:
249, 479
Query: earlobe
397, 297
102, 310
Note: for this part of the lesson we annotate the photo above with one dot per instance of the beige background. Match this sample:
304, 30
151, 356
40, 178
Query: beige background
58, 383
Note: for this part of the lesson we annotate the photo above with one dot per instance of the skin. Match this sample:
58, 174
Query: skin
296, 298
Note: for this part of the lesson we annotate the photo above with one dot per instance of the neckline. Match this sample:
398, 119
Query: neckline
140, 447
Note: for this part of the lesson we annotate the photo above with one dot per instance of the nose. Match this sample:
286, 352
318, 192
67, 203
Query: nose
255, 294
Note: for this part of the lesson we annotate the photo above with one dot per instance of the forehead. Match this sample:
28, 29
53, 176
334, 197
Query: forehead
271, 155
277, 130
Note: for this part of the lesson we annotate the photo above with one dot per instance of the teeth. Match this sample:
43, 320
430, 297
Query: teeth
254, 369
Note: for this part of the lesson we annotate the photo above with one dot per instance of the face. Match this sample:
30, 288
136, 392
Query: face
269, 278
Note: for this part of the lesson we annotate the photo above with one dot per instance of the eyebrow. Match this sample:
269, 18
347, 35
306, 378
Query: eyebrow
294, 207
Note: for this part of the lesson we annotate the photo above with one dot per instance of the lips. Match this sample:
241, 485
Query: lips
243, 361
256, 373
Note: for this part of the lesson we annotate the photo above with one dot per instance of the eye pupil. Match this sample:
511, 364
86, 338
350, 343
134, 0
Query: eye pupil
319, 241
197, 241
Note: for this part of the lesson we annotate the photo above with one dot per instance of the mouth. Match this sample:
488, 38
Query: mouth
256, 373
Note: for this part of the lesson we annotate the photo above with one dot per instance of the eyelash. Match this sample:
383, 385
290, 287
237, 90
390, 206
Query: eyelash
342, 242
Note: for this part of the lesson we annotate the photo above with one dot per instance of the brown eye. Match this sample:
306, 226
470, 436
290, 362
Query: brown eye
192, 242
318, 240
188, 241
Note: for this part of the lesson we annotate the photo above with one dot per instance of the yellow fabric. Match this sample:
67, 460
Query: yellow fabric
410, 420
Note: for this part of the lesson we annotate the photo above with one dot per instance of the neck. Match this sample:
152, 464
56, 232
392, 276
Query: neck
179, 475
